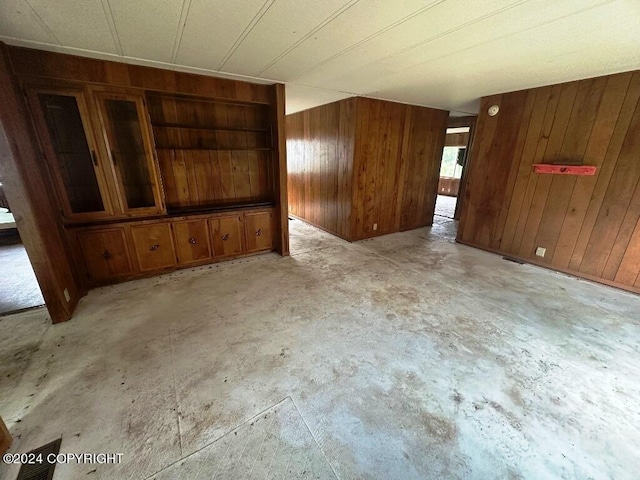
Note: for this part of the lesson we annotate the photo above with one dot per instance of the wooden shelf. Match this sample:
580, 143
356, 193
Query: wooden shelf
219, 101
262, 149
219, 207
211, 129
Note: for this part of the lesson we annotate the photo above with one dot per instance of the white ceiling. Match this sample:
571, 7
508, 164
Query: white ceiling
440, 53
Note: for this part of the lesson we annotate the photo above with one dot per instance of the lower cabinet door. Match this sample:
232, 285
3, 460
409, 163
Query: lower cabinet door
105, 253
154, 246
191, 240
259, 231
226, 236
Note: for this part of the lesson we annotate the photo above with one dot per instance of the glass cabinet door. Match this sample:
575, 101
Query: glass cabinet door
128, 140
63, 120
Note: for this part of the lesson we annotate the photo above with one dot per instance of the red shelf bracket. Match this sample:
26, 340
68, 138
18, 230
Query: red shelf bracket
564, 169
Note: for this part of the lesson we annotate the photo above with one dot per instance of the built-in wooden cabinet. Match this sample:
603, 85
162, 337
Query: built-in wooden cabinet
191, 238
129, 146
227, 236
156, 170
258, 229
153, 245
143, 247
106, 254
100, 151
63, 119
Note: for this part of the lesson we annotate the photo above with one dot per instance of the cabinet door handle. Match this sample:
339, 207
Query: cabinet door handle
113, 157
225, 237
94, 158
258, 232
192, 240
155, 247
106, 255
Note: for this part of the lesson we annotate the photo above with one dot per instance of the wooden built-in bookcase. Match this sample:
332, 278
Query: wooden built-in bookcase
155, 170
212, 153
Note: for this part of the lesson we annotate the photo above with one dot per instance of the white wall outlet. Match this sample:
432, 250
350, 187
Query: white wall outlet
541, 251
375, 226
66, 295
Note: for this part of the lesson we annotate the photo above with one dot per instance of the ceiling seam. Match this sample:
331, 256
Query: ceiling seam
320, 26
251, 25
374, 35
106, 8
42, 23
607, 2
444, 34
184, 13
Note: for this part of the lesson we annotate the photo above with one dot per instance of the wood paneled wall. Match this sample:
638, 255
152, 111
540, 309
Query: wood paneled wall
320, 144
589, 225
362, 163
30, 191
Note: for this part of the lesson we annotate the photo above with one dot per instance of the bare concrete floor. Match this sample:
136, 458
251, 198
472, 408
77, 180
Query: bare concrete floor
19, 288
405, 356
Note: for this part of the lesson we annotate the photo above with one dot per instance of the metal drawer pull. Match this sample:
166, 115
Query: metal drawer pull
155, 247
192, 240
106, 255
258, 232
225, 236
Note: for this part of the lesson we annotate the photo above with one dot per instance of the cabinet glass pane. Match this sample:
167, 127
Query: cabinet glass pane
128, 151
73, 155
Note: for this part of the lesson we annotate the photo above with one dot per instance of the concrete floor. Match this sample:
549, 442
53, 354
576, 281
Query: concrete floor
446, 206
405, 356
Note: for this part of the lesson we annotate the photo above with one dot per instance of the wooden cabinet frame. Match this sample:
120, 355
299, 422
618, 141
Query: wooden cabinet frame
46, 144
100, 96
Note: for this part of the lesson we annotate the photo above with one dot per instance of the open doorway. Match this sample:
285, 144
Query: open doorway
20, 289
454, 156
451, 184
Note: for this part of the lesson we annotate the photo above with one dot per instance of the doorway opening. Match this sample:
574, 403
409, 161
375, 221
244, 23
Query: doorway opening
451, 184
454, 156
20, 290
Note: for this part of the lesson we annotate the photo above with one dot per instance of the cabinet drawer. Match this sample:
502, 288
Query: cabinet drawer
226, 236
191, 240
259, 231
154, 246
105, 253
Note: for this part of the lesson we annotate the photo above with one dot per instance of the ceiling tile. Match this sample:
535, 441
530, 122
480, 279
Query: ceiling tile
365, 18
445, 18
284, 24
412, 64
212, 28
17, 20
147, 28
77, 23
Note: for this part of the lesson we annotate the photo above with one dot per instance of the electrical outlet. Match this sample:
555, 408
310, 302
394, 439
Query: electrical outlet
541, 251
66, 295
375, 226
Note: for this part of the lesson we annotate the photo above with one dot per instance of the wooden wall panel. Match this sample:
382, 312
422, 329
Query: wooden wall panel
29, 190
589, 225
423, 157
362, 163
320, 146
27, 61
377, 164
